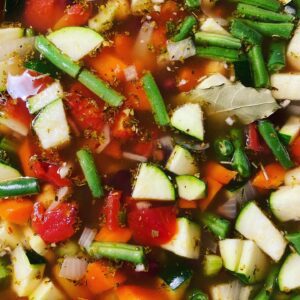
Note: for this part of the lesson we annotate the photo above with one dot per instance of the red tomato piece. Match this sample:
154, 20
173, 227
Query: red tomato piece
56, 224
254, 141
144, 148
153, 226
43, 14
111, 210
295, 150
49, 173
123, 127
75, 15
87, 113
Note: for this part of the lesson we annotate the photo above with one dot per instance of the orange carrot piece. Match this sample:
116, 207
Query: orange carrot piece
16, 211
275, 173
26, 151
188, 76
113, 149
159, 37
101, 277
120, 235
213, 187
75, 290
218, 172
123, 46
134, 292
182, 203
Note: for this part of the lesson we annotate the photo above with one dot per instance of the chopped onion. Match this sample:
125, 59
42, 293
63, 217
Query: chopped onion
229, 121
53, 205
105, 139
65, 170
143, 205
181, 50
135, 157
228, 209
166, 142
143, 39
209, 242
290, 10
285, 103
87, 237
246, 193
140, 268
73, 268
130, 73
63, 193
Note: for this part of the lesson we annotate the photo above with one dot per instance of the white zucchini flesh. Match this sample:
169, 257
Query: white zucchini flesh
292, 177
46, 291
34, 241
26, 277
253, 224
285, 203
285, 86
8, 172
211, 26
231, 251
181, 162
10, 66
10, 33
51, 126
153, 184
76, 42
10, 235
293, 50
186, 242
290, 129
289, 274
226, 291
45, 97
190, 187
188, 118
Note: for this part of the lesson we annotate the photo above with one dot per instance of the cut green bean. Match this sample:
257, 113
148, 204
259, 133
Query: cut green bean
276, 59
218, 53
100, 88
219, 40
117, 251
19, 187
54, 55
273, 5
258, 67
245, 33
90, 172
269, 134
259, 14
282, 30
156, 100
192, 4
185, 29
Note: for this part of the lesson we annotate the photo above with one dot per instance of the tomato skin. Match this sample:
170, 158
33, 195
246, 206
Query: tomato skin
43, 14
295, 150
254, 141
111, 210
153, 226
54, 225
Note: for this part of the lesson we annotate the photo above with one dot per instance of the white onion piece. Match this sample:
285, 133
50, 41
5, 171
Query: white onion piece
53, 205
105, 139
143, 205
65, 170
143, 38
228, 209
181, 50
135, 157
63, 193
140, 268
22, 47
87, 237
166, 142
290, 10
73, 268
130, 73
246, 193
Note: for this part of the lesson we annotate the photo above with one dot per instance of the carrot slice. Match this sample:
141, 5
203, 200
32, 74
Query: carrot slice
182, 203
134, 292
26, 151
16, 211
217, 172
119, 235
273, 178
213, 187
101, 277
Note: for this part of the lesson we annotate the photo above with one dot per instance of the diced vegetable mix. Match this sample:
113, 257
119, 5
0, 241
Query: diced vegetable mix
149, 149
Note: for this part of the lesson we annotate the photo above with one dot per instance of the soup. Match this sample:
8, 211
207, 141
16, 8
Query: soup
149, 149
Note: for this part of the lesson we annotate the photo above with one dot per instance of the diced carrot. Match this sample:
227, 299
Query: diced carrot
134, 292
119, 235
188, 76
213, 187
136, 96
26, 151
101, 276
218, 172
109, 67
273, 178
123, 46
182, 203
113, 149
75, 290
159, 37
16, 211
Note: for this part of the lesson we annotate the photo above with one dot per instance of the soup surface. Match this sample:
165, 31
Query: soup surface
149, 149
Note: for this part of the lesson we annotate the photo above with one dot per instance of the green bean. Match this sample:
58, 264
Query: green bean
19, 187
219, 40
192, 4
185, 29
273, 5
276, 60
218, 53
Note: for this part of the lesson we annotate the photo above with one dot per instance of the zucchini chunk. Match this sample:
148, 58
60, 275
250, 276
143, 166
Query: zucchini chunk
190, 187
8, 172
290, 129
10, 33
292, 177
231, 251
153, 184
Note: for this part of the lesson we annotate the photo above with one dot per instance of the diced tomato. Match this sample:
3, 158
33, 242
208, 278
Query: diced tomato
123, 46
113, 149
43, 14
170, 11
254, 141
79, 88
87, 113
111, 210
123, 127
75, 15
56, 224
153, 226
159, 37
295, 150
50, 173
144, 148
